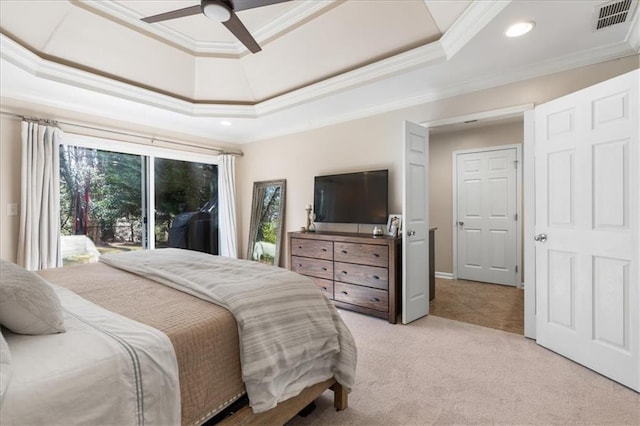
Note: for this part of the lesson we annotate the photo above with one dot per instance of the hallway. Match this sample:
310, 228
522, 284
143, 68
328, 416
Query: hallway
488, 305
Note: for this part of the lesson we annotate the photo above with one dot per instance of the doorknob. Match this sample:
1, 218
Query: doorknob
540, 237
460, 223
411, 233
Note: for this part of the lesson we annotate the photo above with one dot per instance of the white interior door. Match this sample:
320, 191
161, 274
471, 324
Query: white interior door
415, 210
486, 216
587, 255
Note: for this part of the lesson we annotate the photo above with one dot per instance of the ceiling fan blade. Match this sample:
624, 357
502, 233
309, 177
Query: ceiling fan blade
187, 11
238, 29
251, 4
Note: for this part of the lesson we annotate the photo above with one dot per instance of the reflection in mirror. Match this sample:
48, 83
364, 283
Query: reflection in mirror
267, 213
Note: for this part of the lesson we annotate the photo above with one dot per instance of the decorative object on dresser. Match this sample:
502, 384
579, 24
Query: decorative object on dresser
394, 224
358, 272
267, 214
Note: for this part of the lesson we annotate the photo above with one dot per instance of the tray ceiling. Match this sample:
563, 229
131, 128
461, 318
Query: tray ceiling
322, 61
199, 60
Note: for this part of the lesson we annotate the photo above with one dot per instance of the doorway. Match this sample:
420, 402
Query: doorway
489, 305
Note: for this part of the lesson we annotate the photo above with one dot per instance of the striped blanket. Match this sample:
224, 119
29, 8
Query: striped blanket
291, 336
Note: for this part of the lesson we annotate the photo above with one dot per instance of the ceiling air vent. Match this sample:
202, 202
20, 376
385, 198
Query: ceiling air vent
611, 13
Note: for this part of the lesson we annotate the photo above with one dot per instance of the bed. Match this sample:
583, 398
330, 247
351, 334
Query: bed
210, 343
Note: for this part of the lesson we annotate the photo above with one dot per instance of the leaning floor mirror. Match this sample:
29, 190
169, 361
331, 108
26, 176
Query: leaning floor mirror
267, 213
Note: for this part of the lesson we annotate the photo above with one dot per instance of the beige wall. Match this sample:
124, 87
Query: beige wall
9, 185
441, 148
376, 142
369, 143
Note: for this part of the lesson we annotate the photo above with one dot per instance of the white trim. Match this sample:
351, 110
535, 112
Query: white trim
283, 23
428, 54
517, 281
444, 275
529, 226
469, 24
106, 144
500, 113
151, 202
633, 36
419, 57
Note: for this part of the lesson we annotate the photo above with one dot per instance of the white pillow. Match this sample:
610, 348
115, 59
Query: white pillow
5, 365
28, 304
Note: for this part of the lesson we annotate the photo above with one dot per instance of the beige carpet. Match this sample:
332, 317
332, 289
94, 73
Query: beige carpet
439, 371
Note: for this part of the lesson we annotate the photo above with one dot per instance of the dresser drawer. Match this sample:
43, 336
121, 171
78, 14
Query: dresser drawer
312, 248
365, 254
326, 286
362, 296
370, 276
313, 267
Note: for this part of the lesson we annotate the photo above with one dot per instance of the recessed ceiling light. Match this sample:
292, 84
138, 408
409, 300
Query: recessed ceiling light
519, 28
225, 123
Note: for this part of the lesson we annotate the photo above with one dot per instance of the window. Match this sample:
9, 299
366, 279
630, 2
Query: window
106, 196
186, 199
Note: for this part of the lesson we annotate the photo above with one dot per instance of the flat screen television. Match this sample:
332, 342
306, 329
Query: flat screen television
352, 197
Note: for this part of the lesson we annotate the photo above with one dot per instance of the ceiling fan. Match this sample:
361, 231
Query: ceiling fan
221, 11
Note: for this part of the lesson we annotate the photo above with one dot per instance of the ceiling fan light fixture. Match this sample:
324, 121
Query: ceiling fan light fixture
519, 28
216, 11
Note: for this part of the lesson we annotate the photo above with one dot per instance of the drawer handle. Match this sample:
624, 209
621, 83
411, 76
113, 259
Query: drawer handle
299, 247
324, 250
324, 288
300, 264
376, 255
344, 251
375, 277
344, 292
375, 299
324, 269
344, 272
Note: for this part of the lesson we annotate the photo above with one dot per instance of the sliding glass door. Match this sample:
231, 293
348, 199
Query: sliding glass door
186, 205
107, 196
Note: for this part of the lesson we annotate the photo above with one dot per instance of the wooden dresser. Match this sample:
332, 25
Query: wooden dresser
358, 272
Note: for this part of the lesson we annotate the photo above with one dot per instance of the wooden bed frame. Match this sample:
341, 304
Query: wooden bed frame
286, 410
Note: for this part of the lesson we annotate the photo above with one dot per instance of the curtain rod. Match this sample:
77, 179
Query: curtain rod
135, 135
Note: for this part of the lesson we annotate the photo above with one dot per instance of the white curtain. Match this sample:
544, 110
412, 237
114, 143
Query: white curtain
227, 206
39, 238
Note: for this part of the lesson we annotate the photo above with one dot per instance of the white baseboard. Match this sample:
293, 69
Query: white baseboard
444, 275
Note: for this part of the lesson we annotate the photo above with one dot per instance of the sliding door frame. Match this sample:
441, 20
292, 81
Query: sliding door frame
148, 154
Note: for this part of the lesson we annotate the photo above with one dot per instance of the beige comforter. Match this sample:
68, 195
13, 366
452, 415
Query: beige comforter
291, 336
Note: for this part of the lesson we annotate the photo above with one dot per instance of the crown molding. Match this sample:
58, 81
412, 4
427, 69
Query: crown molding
633, 36
115, 11
580, 59
473, 19
37, 66
480, 116
32, 63
421, 56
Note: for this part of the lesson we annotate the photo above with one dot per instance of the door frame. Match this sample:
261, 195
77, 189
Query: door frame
528, 188
454, 199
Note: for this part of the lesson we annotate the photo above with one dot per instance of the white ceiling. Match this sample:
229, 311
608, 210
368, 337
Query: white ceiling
322, 61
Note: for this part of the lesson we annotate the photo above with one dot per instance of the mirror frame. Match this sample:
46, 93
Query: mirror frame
256, 205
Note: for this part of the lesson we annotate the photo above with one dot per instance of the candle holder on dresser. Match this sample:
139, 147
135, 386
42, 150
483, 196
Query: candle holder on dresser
310, 227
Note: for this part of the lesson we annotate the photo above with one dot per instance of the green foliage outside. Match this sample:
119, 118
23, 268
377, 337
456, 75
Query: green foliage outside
101, 194
98, 191
269, 215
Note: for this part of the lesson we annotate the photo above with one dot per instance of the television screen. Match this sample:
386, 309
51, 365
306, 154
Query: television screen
352, 197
